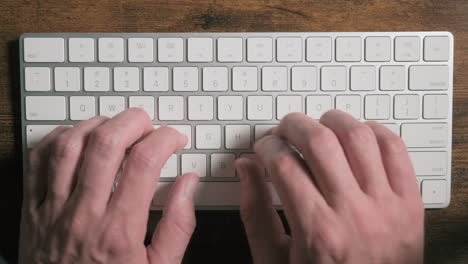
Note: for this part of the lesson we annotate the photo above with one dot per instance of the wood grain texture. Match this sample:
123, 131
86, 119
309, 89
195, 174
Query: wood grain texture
219, 237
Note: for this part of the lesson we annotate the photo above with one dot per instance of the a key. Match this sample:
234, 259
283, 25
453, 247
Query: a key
289, 49
436, 48
304, 78
170, 49
169, 170
140, 50
110, 106
288, 104
200, 50
434, 191
244, 78
96, 79
378, 49
428, 78
407, 49
111, 49
259, 49
425, 135
45, 108
82, 107
126, 79
230, 107
171, 108
44, 49
200, 108
144, 102
377, 107
37, 79
319, 49
351, 104
81, 49
195, 163
222, 165
187, 131
274, 78
348, 49
261, 130
317, 105
67, 79
229, 49
333, 78
259, 107
435, 106
208, 136
237, 136
215, 79
363, 78
156, 79
406, 106
35, 133
185, 79
392, 78
429, 163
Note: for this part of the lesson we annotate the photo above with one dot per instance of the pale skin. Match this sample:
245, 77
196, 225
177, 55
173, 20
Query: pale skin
350, 197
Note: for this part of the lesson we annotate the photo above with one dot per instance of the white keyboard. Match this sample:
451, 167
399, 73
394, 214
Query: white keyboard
224, 90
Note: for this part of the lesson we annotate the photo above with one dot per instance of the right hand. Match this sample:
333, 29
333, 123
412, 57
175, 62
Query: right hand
351, 198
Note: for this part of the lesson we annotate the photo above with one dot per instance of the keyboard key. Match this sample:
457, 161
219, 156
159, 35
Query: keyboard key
288, 104
200, 50
215, 79
185, 79
126, 79
319, 49
35, 133
111, 50
44, 50
96, 79
406, 106
428, 78
348, 49
170, 50
187, 131
208, 136
363, 78
377, 107
37, 79
237, 136
378, 49
67, 79
110, 106
259, 107
171, 108
435, 106
429, 163
169, 170
81, 49
156, 79
82, 107
407, 49
261, 130
195, 163
222, 165
244, 79
200, 108
392, 78
45, 108
436, 48
333, 78
144, 102
259, 49
274, 78
304, 78
434, 191
230, 107
317, 105
140, 50
350, 104
425, 135
229, 49
288, 49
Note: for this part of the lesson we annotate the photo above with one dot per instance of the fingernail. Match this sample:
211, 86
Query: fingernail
190, 188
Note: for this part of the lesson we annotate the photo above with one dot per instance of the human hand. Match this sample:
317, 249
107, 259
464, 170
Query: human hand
351, 198
71, 215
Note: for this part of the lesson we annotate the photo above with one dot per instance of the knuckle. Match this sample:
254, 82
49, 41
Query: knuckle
144, 156
330, 241
321, 136
185, 225
360, 133
65, 146
105, 139
283, 163
392, 144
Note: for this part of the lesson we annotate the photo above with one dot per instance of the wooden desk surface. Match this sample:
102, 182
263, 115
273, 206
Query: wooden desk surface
219, 237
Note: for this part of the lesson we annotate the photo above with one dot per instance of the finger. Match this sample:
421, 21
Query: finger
396, 161
176, 227
140, 175
267, 238
103, 157
323, 154
361, 149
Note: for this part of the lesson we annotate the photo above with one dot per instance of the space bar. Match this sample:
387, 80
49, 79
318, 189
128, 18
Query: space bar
216, 194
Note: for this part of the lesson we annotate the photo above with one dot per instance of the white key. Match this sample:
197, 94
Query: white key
304, 78
81, 49
200, 108
37, 79
407, 49
67, 79
171, 108
230, 107
110, 106
35, 133
126, 79
222, 165
169, 170
333, 78
96, 79
378, 49
406, 106
351, 104
44, 50
82, 107
185, 79
200, 50
259, 49
229, 49
156, 79
259, 107
261, 130
425, 135
288, 104
111, 49
170, 50
395, 128
319, 49
436, 48
237, 136
140, 50
187, 131
377, 107
144, 102
244, 78
317, 105
434, 191
363, 78
429, 163
429, 78
195, 163
274, 78
392, 78
348, 48
435, 106
289, 49
208, 137
45, 108
215, 79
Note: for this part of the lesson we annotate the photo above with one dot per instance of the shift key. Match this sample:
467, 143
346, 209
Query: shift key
425, 135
